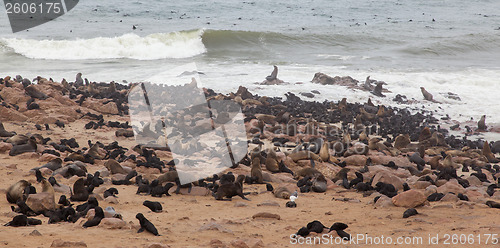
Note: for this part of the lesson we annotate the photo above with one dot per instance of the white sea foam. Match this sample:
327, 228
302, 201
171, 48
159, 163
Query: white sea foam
154, 46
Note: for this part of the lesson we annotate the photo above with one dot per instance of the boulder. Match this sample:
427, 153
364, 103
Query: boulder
409, 199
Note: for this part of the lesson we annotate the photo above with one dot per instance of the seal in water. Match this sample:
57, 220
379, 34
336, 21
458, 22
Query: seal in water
274, 74
481, 124
146, 225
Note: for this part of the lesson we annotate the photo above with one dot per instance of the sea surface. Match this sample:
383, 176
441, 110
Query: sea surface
442, 45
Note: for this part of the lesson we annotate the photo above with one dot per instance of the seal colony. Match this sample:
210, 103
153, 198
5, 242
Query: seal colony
302, 156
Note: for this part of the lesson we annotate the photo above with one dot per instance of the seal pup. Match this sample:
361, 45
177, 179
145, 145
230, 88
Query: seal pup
324, 153
256, 169
110, 192
15, 191
99, 215
274, 74
304, 231
315, 226
410, 212
146, 225
229, 190
339, 228
5, 133
80, 193
23, 220
481, 124
153, 206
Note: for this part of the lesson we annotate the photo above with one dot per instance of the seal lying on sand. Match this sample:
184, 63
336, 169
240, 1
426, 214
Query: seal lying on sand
15, 191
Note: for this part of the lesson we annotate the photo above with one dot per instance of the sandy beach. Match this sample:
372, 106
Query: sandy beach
196, 219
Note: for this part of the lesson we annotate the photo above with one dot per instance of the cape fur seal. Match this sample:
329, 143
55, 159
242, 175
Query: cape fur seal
146, 225
481, 124
80, 193
15, 191
229, 190
20, 149
256, 169
153, 206
99, 215
23, 220
272, 161
274, 74
5, 133
488, 154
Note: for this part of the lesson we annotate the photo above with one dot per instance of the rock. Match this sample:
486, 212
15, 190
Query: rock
240, 204
474, 181
157, 245
64, 189
451, 186
409, 199
9, 114
215, 243
321, 78
266, 215
112, 223
386, 177
47, 157
195, 190
35, 233
356, 160
97, 105
144, 170
327, 169
111, 200
475, 196
384, 202
11, 166
214, 226
442, 206
450, 198
238, 243
41, 201
268, 204
61, 243
421, 185
431, 189
4, 147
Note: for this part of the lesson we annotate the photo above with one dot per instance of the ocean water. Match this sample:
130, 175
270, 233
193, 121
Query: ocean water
442, 45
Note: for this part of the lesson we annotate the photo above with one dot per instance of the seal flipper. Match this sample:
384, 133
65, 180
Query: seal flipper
140, 230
